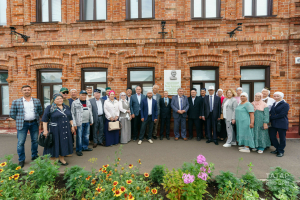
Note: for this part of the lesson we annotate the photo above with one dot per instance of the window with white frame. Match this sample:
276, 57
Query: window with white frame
140, 9
2, 12
48, 10
258, 8
206, 8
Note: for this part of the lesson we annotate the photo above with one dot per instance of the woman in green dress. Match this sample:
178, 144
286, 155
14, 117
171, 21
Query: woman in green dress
244, 116
261, 120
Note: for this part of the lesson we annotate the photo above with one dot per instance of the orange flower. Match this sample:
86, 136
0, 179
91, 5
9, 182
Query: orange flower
147, 189
1, 170
104, 171
130, 166
100, 169
154, 191
129, 181
123, 189
108, 175
106, 166
117, 193
130, 197
31, 172
3, 164
11, 177
113, 189
18, 168
115, 183
140, 161
88, 178
93, 181
119, 159
16, 176
98, 189
125, 195
146, 175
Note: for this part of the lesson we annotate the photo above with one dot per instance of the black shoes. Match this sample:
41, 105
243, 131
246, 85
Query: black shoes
154, 137
274, 152
79, 153
101, 144
64, 164
34, 158
168, 137
190, 138
88, 149
280, 154
161, 137
216, 143
208, 141
21, 163
134, 139
198, 138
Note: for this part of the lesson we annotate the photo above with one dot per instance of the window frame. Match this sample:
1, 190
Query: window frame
218, 11
39, 12
216, 81
2, 84
92, 69
254, 10
251, 82
139, 83
5, 22
40, 85
128, 16
82, 12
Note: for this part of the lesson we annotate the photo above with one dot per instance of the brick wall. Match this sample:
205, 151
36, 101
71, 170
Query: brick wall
118, 44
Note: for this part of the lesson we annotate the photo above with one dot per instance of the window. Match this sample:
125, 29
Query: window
143, 77
48, 10
92, 9
4, 94
2, 12
95, 78
49, 83
258, 8
206, 8
254, 79
140, 9
203, 77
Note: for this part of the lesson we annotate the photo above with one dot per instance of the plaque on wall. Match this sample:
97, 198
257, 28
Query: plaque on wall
172, 81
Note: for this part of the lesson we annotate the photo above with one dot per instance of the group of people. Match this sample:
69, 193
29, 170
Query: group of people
250, 125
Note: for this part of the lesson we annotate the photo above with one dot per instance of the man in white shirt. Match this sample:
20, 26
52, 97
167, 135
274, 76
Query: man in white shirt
148, 116
98, 116
128, 94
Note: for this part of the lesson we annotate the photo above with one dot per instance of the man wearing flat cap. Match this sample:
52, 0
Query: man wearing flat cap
107, 90
65, 92
98, 116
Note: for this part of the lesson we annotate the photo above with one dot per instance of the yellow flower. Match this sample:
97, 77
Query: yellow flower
130, 166
137, 188
98, 189
93, 181
130, 197
119, 159
115, 183
11, 177
147, 189
113, 189
129, 181
103, 190
116, 170
100, 170
105, 166
18, 168
16, 176
88, 178
1, 170
154, 191
132, 175
31, 172
122, 168
117, 193
140, 161
146, 175
123, 189
3, 164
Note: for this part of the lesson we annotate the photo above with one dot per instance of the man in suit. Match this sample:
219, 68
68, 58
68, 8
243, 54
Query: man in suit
26, 111
128, 94
180, 106
194, 114
165, 115
135, 109
99, 117
202, 122
211, 114
156, 96
149, 114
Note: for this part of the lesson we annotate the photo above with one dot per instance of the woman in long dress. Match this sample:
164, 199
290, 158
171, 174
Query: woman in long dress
261, 120
59, 117
125, 119
111, 110
244, 116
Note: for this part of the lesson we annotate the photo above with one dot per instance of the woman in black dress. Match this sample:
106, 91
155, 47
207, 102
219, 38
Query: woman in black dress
57, 119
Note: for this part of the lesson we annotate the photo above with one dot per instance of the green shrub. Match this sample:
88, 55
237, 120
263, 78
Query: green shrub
251, 182
225, 177
45, 170
70, 171
230, 190
157, 174
10, 167
282, 183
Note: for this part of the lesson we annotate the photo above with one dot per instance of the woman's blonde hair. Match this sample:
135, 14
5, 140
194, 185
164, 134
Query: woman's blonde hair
232, 91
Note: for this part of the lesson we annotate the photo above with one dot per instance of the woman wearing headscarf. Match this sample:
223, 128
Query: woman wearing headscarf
219, 93
279, 123
111, 110
244, 116
261, 120
222, 134
125, 118
268, 100
239, 91
57, 119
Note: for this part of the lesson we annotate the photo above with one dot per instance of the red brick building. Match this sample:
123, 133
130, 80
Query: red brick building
116, 43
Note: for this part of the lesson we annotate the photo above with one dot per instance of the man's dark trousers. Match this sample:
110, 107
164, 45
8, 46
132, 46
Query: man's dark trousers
136, 124
143, 128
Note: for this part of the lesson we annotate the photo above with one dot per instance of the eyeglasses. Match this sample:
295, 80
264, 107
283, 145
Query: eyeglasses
65, 92
123, 95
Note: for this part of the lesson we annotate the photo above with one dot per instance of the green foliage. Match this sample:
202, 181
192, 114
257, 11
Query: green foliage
282, 184
10, 167
157, 174
173, 183
70, 171
225, 177
230, 190
250, 180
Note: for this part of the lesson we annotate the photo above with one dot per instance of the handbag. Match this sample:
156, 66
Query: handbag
112, 126
219, 126
46, 142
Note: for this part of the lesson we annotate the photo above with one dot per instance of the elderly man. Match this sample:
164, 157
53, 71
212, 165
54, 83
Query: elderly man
148, 116
211, 114
156, 96
89, 90
65, 92
128, 94
73, 96
82, 119
165, 115
99, 118
180, 106
202, 122
194, 114
26, 111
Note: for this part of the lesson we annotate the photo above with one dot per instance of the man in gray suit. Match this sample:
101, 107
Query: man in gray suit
99, 117
180, 106
157, 97
135, 109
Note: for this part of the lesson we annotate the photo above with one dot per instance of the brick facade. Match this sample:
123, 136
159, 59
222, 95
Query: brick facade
118, 44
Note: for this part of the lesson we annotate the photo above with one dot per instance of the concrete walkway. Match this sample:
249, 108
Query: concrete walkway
173, 154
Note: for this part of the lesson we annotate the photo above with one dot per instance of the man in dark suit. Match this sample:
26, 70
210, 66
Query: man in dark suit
211, 114
180, 106
165, 115
128, 94
202, 122
99, 118
194, 114
107, 90
149, 115
135, 109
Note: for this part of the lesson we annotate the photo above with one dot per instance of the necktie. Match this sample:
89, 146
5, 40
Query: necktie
210, 103
193, 101
181, 103
166, 103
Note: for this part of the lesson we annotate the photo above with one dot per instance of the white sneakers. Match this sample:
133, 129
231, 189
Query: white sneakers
241, 148
245, 150
260, 151
150, 141
140, 142
233, 143
227, 145
254, 149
